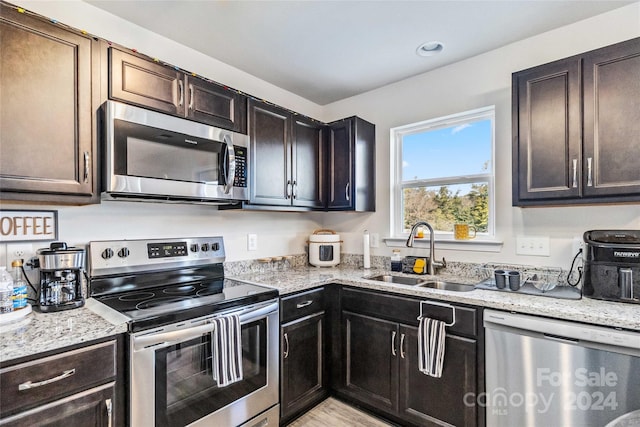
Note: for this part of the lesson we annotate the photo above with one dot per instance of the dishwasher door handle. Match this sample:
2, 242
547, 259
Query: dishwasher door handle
561, 339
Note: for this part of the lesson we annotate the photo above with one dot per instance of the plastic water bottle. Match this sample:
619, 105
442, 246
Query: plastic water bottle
6, 291
396, 260
19, 286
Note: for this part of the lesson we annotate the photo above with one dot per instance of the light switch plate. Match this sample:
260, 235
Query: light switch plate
532, 245
252, 242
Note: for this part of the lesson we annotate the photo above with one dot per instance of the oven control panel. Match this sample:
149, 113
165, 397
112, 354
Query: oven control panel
167, 249
117, 256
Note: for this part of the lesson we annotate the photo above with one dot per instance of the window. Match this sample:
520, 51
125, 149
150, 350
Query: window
443, 173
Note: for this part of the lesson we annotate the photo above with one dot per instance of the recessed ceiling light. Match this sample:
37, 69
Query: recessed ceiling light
430, 48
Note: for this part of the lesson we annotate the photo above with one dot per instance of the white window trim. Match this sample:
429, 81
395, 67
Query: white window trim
484, 241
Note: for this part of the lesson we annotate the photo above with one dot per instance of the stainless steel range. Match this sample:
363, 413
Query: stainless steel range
203, 349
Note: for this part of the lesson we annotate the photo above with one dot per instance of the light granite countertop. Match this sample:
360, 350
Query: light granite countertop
585, 310
41, 332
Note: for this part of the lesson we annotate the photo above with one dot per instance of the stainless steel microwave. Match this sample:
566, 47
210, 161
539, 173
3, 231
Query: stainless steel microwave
150, 156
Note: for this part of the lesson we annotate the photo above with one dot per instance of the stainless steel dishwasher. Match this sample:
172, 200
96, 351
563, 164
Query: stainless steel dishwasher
546, 372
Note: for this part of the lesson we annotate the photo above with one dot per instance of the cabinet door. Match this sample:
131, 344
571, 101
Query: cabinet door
270, 154
307, 162
612, 120
93, 407
213, 104
47, 144
340, 166
304, 377
145, 83
547, 125
371, 360
448, 400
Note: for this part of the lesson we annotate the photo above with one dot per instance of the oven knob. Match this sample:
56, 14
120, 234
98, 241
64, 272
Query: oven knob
107, 253
123, 253
205, 247
194, 247
215, 246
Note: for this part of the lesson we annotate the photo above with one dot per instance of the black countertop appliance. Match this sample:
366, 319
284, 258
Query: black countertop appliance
612, 265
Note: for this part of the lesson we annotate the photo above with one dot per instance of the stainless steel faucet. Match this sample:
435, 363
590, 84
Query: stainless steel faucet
431, 264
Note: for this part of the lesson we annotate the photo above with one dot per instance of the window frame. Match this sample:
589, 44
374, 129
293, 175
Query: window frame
397, 185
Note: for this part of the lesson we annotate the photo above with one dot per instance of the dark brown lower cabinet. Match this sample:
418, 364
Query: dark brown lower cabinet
303, 363
79, 386
304, 379
371, 365
378, 362
448, 400
94, 407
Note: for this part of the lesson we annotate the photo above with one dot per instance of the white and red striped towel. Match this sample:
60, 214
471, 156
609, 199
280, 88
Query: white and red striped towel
431, 338
226, 350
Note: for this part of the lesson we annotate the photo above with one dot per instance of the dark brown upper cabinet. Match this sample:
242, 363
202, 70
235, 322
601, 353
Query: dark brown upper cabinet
136, 80
351, 166
576, 128
286, 157
49, 81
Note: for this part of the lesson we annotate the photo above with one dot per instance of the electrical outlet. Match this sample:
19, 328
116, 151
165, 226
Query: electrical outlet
578, 243
375, 240
252, 242
532, 245
19, 251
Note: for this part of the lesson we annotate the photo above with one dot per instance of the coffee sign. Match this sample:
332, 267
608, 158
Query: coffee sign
28, 226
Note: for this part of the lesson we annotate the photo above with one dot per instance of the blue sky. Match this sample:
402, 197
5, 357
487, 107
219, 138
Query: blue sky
452, 151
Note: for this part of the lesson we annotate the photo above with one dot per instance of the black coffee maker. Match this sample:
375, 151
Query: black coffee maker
61, 277
612, 265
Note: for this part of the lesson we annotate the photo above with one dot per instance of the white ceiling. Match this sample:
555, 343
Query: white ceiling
325, 50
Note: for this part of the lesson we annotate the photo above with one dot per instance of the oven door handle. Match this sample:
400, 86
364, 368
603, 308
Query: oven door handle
165, 339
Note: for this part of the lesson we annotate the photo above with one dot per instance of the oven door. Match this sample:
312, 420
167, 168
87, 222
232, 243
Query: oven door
149, 154
172, 382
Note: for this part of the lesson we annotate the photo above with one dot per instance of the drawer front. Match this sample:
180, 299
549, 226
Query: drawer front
40, 381
406, 310
302, 304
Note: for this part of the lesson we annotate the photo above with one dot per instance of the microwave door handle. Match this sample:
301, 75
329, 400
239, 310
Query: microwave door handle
229, 166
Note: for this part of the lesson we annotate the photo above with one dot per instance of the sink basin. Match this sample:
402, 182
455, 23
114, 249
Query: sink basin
402, 280
423, 282
446, 286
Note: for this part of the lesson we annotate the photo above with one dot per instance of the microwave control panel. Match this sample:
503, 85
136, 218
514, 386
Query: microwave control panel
240, 179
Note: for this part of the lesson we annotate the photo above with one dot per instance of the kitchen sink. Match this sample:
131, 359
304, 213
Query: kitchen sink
402, 280
422, 282
446, 286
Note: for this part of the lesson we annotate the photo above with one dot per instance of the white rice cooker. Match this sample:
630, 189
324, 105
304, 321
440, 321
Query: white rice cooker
324, 248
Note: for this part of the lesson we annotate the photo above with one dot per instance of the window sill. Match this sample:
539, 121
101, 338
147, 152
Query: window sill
477, 245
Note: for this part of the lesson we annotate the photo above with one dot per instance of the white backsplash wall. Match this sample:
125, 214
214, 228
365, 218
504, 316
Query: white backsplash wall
279, 233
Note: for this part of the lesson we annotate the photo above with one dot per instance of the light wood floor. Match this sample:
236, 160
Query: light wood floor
332, 412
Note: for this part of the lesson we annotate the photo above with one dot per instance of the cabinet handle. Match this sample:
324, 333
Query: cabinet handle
28, 385
575, 173
294, 189
589, 180
87, 159
286, 341
288, 189
346, 191
109, 405
402, 345
190, 97
393, 343
180, 92
304, 304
